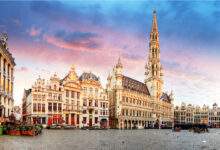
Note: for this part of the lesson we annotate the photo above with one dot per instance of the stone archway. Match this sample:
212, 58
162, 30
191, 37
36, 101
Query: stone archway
134, 124
104, 123
143, 124
139, 123
129, 124
125, 124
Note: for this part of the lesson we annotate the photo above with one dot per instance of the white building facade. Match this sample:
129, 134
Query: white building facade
78, 101
189, 114
7, 65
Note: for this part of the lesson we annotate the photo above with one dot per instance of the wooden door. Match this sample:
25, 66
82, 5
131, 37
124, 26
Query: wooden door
90, 122
72, 119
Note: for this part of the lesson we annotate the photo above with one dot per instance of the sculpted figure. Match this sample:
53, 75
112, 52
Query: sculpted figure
4, 39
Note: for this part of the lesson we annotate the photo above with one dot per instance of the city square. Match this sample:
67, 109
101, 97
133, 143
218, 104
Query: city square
114, 140
109, 75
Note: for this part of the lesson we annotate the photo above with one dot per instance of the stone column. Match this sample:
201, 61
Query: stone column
122, 124
6, 78
69, 118
75, 119
4, 69
80, 121
8, 73
12, 80
9, 79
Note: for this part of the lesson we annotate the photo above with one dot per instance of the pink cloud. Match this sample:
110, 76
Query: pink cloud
194, 78
34, 31
79, 46
22, 69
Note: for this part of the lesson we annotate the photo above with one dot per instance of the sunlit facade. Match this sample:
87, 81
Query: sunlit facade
95, 103
34, 103
134, 104
72, 103
7, 64
189, 114
78, 101
54, 100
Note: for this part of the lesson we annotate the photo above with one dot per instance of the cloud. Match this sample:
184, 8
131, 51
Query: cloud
22, 69
33, 32
132, 56
74, 40
193, 77
93, 35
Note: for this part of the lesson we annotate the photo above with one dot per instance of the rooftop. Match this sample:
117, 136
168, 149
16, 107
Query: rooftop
134, 85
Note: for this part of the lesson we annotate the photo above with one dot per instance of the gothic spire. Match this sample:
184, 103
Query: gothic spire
153, 68
119, 64
154, 35
154, 24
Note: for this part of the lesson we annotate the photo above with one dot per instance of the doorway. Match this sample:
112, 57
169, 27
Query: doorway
90, 122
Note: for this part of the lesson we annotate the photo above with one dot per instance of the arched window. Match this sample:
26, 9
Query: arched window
90, 90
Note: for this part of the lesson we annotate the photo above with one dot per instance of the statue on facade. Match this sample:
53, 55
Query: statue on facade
3, 40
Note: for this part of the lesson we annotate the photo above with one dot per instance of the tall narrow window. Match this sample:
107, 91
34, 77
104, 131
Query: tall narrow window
72, 94
60, 97
50, 107
43, 107
54, 106
34, 107
78, 95
84, 102
67, 93
90, 102
39, 106
59, 107
96, 119
84, 120
96, 103
103, 105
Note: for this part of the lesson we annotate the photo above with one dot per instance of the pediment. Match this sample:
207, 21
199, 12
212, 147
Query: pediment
72, 84
91, 82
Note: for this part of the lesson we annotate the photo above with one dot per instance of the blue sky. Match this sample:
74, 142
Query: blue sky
48, 36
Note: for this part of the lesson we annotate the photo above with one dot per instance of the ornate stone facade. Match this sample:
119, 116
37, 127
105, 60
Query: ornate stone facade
54, 100
6, 79
34, 103
43, 102
72, 98
79, 101
134, 104
186, 114
95, 102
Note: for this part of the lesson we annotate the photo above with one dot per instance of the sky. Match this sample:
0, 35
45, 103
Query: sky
47, 37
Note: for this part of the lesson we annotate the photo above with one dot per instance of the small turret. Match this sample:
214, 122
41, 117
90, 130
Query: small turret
119, 64
119, 67
214, 105
72, 69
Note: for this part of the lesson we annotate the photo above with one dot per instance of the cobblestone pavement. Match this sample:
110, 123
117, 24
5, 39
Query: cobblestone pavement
114, 140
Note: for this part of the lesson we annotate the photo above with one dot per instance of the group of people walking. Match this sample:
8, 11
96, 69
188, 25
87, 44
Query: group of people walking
197, 128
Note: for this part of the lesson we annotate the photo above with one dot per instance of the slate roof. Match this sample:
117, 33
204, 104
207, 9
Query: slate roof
27, 92
88, 76
165, 97
134, 85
